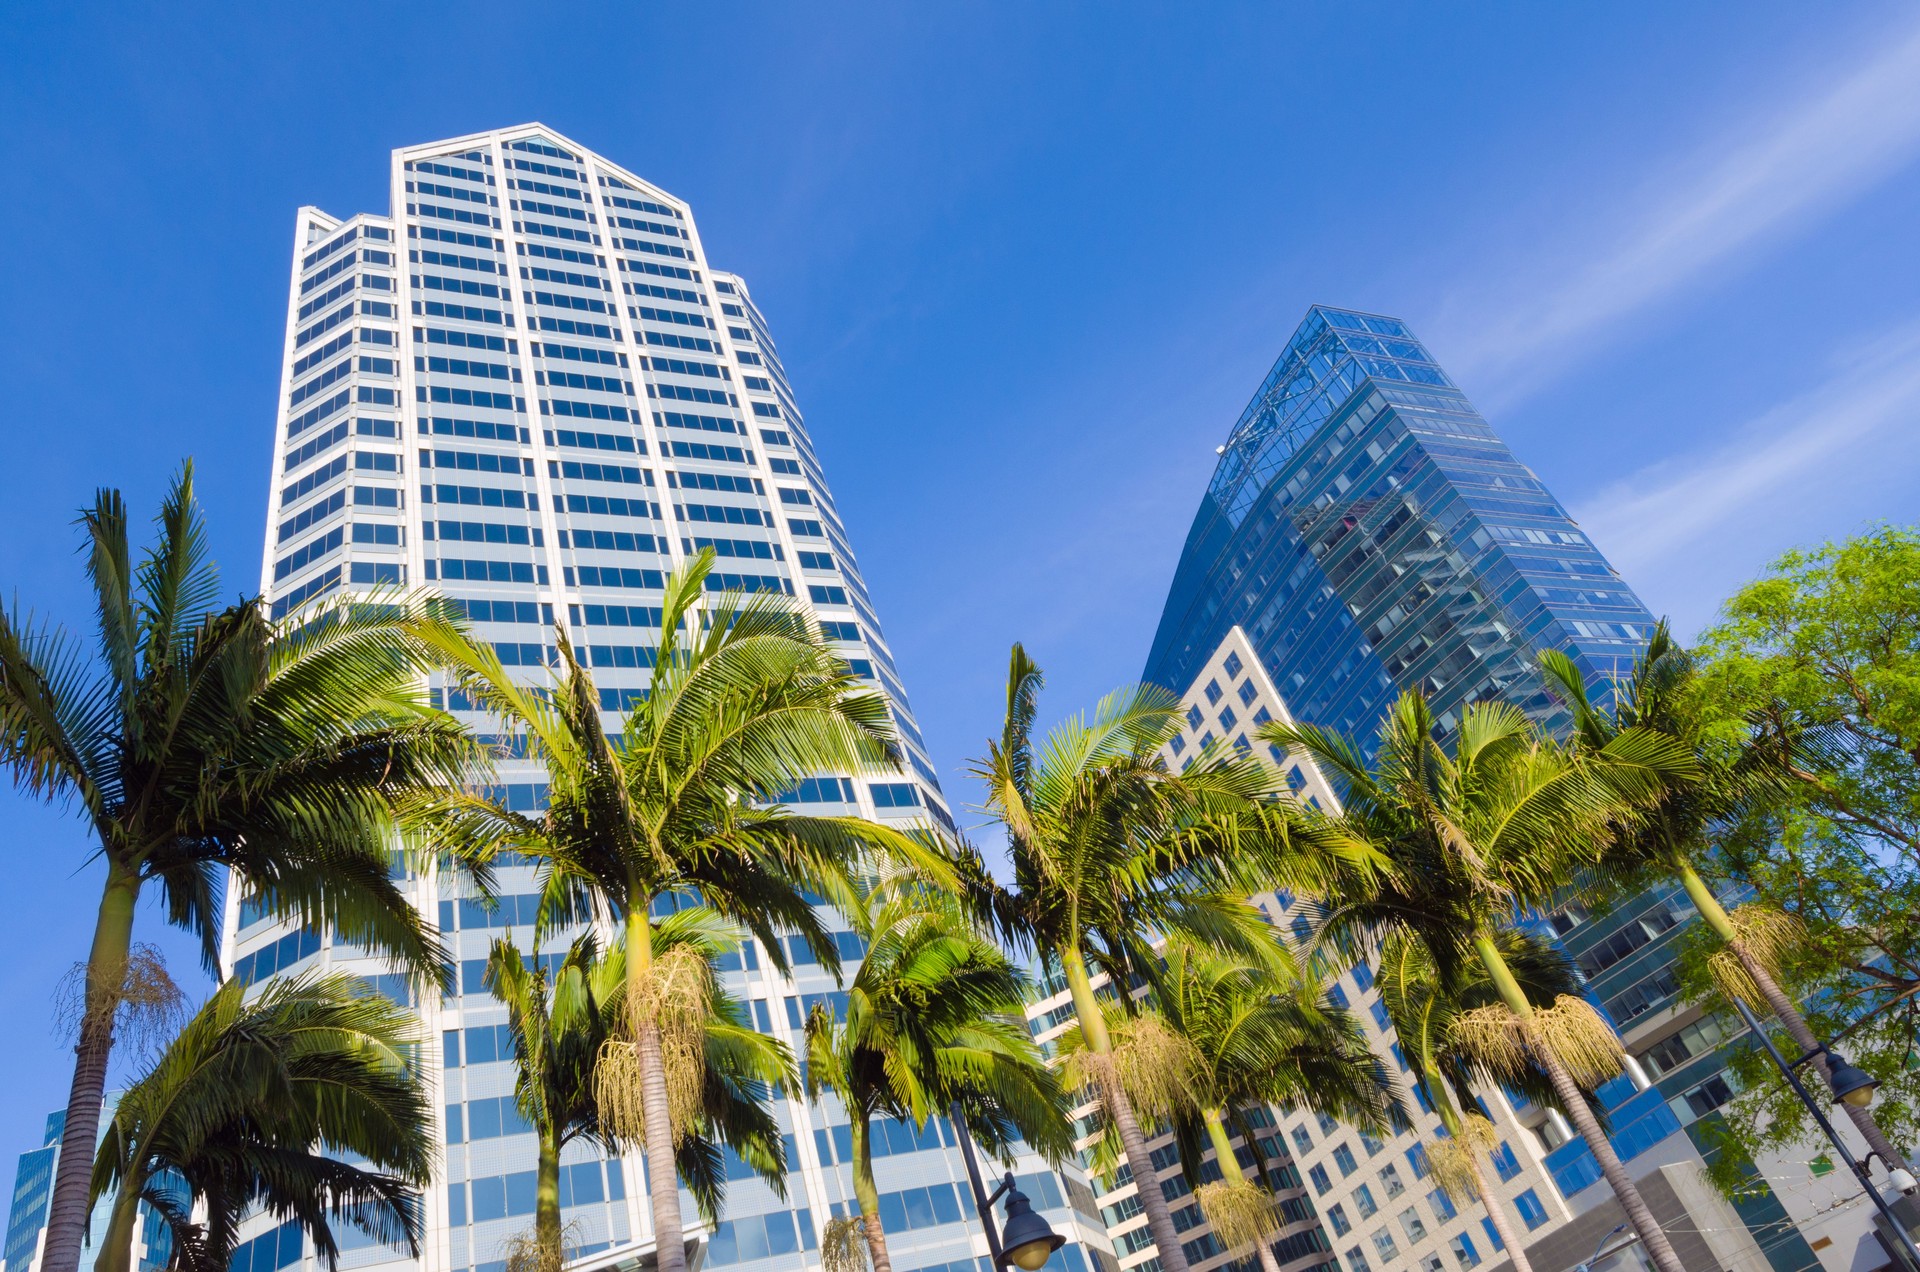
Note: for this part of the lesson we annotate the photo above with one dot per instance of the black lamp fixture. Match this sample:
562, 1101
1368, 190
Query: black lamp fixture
1028, 1240
1850, 1085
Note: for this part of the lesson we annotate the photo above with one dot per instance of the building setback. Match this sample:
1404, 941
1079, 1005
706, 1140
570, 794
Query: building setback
1367, 532
527, 389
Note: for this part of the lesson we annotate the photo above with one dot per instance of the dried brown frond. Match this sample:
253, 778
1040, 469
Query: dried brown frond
1155, 1065
1572, 1032
143, 1002
672, 1003
1241, 1212
1767, 937
843, 1245
1453, 1159
1492, 1036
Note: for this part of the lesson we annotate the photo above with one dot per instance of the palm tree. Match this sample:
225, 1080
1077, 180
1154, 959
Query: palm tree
199, 740
1659, 697
1470, 838
254, 1105
1424, 1012
560, 1023
747, 702
1255, 1039
1111, 849
935, 1015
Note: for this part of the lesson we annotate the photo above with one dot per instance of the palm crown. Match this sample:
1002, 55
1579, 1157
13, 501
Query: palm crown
934, 1022
1112, 850
747, 701
199, 739
255, 1105
1471, 838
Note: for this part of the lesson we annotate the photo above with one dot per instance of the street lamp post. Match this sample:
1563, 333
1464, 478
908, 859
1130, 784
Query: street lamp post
1029, 1240
1855, 1088
1598, 1247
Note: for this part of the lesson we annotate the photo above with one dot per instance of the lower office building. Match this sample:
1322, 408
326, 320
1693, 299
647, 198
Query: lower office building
33, 1197
1352, 1201
525, 386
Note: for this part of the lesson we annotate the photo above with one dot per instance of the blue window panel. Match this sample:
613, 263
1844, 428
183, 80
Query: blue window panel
781, 1237
1528, 1204
946, 1206
489, 1199
521, 1191
483, 1117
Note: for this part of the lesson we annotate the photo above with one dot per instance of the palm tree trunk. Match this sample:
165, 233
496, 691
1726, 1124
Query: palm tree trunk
1787, 1010
116, 1247
1435, 1082
1093, 1028
867, 1193
1497, 1215
106, 976
1652, 1239
663, 1179
546, 1203
1231, 1172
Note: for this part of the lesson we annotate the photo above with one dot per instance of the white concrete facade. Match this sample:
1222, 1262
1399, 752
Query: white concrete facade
526, 387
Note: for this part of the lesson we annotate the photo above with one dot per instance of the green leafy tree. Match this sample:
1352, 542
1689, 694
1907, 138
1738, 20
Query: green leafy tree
197, 739
935, 1016
1111, 850
1424, 1012
1814, 668
561, 1022
747, 701
1729, 784
256, 1106
1253, 1038
1470, 838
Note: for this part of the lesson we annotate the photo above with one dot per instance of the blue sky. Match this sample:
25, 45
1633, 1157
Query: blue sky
1025, 265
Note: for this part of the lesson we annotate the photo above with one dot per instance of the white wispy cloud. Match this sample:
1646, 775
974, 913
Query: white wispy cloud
1808, 159
1689, 530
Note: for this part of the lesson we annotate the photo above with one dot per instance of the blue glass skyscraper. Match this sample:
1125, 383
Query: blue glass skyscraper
1370, 532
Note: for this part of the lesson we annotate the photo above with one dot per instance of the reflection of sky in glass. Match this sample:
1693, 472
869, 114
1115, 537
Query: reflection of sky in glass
1370, 532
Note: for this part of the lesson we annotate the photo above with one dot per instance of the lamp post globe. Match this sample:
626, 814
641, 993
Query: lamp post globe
1028, 1239
1850, 1085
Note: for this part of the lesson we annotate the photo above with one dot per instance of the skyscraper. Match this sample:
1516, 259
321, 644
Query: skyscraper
527, 388
1369, 533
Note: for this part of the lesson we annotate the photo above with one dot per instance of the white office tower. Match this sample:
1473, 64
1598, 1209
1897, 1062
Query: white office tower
527, 389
